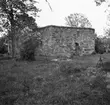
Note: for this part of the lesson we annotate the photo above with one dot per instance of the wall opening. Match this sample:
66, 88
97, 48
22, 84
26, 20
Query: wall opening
77, 48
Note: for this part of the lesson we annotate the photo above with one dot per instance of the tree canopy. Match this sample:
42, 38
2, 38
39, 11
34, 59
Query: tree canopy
99, 2
77, 20
19, 13
107, 29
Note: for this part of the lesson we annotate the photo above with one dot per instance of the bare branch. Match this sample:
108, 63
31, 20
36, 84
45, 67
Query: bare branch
77, 20
49, 5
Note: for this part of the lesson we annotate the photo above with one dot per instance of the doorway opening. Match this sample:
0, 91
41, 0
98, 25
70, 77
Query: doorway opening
77, 48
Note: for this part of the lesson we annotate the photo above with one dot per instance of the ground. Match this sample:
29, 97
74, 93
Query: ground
46, 82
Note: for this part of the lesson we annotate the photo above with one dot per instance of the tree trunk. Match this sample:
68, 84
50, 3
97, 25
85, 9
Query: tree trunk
13, 45
12, 34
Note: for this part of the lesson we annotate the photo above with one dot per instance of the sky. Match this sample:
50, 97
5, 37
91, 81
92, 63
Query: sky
62, 8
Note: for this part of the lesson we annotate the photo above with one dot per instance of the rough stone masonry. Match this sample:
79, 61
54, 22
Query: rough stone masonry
61, 41
67, 41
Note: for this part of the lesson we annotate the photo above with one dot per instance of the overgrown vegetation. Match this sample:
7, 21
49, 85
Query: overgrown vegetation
29, 48
99, 46
42, 83
3, 47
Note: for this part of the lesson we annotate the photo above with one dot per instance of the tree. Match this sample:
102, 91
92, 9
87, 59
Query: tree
99, 2
107, 31
77, 20
3, 25
17, 11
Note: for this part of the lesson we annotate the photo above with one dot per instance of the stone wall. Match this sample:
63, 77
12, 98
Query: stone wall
60, 41
67, 41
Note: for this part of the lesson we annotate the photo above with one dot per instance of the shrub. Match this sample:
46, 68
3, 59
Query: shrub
99, 46
29, 48
3, 47
106, 66
27, 53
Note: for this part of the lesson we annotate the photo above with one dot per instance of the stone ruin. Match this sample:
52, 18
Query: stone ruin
63, 41
67, 41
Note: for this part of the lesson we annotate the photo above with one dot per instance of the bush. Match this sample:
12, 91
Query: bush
27, 54
29, 48
99, 46
3, 47
106, 66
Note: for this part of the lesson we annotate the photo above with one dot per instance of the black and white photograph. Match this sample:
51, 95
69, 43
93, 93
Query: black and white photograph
54, 52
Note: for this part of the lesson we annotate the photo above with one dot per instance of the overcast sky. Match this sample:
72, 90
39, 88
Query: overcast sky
62, 8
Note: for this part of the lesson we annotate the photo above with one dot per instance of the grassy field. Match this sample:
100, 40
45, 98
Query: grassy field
46, 82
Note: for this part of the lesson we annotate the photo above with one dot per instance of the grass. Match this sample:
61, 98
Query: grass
45, 82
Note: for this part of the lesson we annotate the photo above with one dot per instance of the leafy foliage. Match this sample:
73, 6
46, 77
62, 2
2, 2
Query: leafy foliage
99, 46
17, 13
99, 2
77, 20
3, 47
29, 46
